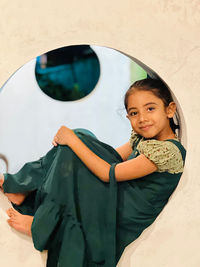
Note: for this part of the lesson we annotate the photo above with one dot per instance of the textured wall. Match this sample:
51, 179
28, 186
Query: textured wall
165, 36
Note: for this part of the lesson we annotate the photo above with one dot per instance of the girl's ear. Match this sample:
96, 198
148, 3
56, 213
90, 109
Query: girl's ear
171, 109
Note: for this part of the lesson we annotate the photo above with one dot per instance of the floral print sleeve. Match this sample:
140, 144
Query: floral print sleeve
166, 155
134, 139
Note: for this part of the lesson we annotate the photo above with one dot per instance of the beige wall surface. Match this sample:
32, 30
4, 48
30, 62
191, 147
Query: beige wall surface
164, 35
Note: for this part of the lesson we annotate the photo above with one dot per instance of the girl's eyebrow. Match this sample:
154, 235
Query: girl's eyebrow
131, 108
149, 103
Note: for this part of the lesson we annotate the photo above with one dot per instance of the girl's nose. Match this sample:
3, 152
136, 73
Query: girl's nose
142, 117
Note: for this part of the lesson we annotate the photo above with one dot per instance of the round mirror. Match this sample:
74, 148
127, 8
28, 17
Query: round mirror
68, 73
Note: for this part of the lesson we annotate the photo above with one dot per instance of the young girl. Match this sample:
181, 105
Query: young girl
82, 216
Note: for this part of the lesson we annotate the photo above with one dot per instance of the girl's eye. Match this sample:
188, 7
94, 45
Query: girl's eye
151, 108
133, 113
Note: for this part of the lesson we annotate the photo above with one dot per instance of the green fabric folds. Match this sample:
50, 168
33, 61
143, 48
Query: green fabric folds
79, 219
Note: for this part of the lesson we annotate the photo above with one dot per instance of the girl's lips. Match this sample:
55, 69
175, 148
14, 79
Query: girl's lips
145, 128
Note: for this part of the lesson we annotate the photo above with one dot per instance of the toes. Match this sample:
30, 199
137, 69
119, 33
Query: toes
14, 224
11, 212
1, 183
10, 222
22, 224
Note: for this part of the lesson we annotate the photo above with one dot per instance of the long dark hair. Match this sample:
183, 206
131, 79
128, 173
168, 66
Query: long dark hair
159, 89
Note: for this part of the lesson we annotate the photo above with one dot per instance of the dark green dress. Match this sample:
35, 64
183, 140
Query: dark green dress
80, 220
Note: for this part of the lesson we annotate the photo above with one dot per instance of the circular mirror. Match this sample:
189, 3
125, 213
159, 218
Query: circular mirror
68, 73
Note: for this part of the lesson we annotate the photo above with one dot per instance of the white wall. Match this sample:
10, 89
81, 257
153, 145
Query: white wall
30, 119
165, 36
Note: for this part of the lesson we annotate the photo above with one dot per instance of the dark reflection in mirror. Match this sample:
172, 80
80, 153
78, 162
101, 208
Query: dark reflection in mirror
68, 73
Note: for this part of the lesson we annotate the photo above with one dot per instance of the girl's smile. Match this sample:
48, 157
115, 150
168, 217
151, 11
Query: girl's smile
145, 128
149, 116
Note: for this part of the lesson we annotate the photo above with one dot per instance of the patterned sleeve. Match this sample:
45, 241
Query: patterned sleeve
134, 139
166, 155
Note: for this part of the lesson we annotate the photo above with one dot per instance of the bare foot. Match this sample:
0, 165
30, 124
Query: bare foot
1, 180
20, 222
15, 198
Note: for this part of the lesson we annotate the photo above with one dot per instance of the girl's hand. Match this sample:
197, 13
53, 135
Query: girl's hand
63, 136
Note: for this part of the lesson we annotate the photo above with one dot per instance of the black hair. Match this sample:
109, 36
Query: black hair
159, 89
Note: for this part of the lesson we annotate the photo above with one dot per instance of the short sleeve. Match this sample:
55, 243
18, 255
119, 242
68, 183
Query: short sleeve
134, 139
166, 155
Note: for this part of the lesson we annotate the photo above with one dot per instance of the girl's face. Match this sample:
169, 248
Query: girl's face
148, 115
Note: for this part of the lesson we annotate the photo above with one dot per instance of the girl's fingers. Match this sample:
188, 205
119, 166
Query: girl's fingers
54, 142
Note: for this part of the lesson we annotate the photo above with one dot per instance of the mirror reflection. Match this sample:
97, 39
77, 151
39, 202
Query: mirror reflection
68, 73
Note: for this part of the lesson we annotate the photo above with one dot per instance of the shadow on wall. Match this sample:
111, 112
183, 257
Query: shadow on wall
5, 162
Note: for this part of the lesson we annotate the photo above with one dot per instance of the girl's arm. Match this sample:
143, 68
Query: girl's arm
124, 151
128, 170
